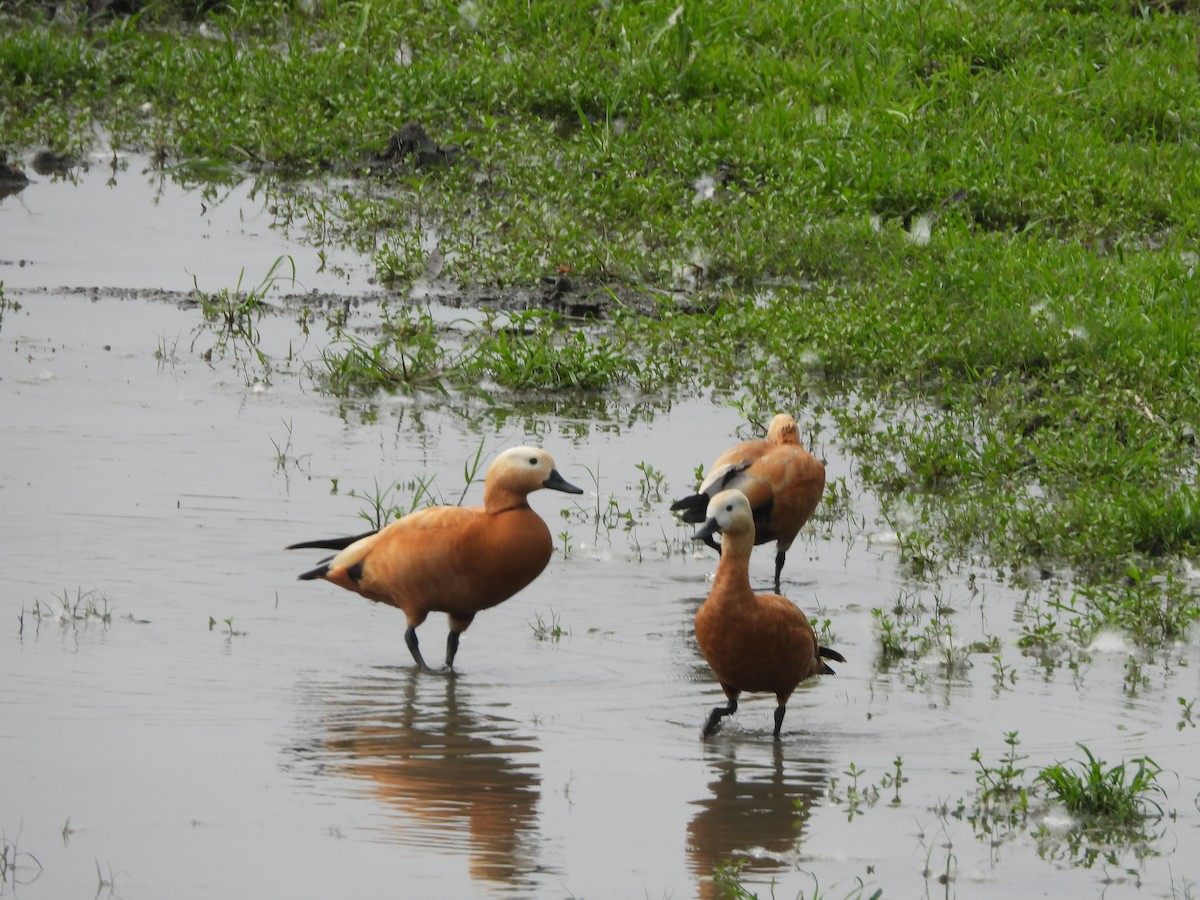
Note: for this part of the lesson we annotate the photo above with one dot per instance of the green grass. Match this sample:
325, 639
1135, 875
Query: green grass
409, 355
549, 627
231, 319
964, 231
538, 351
1118, 796
524, 353
1113, 807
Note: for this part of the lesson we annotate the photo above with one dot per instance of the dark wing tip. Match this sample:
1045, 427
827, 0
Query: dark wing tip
313, 574
732, 472
304, 545
340, 543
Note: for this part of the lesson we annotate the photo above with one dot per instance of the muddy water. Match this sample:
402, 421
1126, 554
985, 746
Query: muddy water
292, 750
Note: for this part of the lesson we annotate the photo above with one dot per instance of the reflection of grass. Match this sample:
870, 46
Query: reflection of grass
6, 305
15, 864
728, 879
106, 884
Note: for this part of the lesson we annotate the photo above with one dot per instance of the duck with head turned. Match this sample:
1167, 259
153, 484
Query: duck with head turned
752, 642
452, 559
782, 480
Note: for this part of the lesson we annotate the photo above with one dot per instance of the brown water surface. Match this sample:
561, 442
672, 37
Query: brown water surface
153, 749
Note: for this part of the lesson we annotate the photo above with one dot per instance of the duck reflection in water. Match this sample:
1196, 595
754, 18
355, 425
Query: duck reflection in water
757, 812
453, 780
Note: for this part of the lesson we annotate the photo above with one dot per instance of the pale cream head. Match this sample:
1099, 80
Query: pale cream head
521, 470
731, 512
783, 430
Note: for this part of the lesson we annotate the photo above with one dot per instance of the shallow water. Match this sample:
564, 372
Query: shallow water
117, 222
293, 750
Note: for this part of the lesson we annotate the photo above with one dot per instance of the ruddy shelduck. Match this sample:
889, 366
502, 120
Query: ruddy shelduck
781, 479
453, 559
753, 642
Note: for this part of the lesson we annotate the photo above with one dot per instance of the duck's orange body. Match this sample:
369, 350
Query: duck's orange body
781, 479
761, 643
456, 560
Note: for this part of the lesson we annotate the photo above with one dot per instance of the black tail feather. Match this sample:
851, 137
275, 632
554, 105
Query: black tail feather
313, 574
830, 654
694, 508
329, 543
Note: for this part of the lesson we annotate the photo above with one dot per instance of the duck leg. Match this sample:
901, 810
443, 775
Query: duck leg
720, 712
780, 556
410, 639
780, 711
458, 624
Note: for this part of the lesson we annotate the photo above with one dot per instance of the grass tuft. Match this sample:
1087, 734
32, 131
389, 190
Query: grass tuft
1119, 796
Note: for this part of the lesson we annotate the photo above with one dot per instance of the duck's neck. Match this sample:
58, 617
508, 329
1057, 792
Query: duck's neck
497, 499
733, 569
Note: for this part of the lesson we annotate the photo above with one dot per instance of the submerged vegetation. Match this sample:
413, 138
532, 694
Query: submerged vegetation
1112, 808
966, 232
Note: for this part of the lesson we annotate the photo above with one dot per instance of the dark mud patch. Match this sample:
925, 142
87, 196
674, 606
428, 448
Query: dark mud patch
596, 302
12, 179
577, 299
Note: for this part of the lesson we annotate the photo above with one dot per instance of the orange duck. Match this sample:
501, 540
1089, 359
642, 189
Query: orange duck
781, 479
752, 642
452, 559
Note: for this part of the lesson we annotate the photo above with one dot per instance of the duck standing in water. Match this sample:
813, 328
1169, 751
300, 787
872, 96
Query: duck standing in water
452, 559
781, 479
752, 642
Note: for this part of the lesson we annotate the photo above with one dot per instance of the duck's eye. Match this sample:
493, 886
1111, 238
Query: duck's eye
533, 460
729, 507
